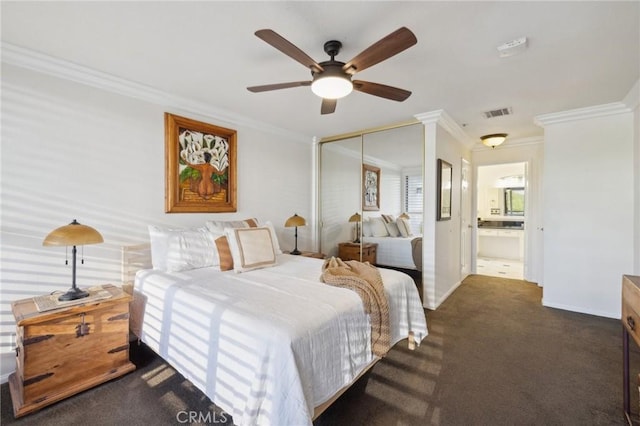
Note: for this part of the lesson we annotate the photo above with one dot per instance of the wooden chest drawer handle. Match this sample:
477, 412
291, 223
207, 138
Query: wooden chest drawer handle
82, 329
631, 323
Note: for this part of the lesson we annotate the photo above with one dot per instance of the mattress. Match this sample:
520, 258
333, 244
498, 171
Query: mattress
393, 251
269, 345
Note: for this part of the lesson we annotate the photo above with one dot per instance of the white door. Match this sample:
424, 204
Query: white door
465, 219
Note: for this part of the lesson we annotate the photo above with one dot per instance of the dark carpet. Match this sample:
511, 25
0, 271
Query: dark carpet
494, 356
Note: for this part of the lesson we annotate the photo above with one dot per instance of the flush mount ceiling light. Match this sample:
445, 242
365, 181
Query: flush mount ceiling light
494, 139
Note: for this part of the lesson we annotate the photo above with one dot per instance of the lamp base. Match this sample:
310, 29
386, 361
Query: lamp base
296, 252
73, 294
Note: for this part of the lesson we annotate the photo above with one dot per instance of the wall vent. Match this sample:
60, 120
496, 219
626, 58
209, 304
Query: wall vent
497, 112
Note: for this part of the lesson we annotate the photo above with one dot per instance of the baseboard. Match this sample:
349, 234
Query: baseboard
581, 310
447, 294
7, 366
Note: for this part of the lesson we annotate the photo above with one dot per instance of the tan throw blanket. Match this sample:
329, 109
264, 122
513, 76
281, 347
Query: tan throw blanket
365, 280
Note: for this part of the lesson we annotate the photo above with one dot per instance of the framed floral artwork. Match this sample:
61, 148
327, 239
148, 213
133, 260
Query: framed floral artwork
370, 188
200, 166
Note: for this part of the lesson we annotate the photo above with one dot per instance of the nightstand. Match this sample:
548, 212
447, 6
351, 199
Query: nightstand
67, 350
351, 251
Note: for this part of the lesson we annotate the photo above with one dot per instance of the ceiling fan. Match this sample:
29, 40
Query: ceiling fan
332, 79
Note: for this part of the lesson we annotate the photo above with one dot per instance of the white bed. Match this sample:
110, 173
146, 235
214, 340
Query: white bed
394, 251
271, 345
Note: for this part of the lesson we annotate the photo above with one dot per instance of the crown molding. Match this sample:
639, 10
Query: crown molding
581, 114
45, 64
442, 118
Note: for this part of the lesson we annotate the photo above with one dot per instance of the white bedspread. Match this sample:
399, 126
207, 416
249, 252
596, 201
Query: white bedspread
393, 251
267, 346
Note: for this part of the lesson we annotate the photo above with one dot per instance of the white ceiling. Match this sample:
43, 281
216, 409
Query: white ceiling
580, 54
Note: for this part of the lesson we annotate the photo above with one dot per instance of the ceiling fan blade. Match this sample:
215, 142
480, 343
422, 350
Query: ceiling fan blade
286, 47
381, 90
385, 48
278, 86
328, 106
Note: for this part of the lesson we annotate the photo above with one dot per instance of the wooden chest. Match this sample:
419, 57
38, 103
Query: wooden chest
631, 306
65, 351
351, 251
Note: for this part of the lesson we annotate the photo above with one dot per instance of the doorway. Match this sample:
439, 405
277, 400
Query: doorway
501, 215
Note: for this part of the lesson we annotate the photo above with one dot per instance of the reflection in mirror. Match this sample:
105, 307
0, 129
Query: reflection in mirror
396, 226
340, 174
379, 176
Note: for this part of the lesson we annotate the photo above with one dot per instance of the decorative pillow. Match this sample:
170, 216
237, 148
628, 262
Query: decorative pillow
218, 226
392, 229
377, 227
224, 253
251, 248
404, 227
274, 237
388, 218
178, 249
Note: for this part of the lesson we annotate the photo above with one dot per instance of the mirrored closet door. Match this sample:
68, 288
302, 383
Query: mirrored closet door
370, 196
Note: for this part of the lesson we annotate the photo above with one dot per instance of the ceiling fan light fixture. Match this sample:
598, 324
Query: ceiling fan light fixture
331, 86
494, 139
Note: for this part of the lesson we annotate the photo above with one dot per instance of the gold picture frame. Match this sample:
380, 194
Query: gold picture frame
370, 188
200, 166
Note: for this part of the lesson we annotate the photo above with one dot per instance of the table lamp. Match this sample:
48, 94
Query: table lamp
296, 221
357, 219
73, 234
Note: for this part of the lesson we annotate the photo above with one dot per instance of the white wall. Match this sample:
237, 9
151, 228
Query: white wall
441, 248
636, 168
71, 151
447, 253
589, 212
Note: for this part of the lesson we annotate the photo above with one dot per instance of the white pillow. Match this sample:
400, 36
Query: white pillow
251, 248
377, 227
366, 229
218, 226
392, 229
274, 237
404, 227
178, 249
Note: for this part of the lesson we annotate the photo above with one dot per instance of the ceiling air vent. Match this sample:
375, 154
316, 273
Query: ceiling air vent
497, 112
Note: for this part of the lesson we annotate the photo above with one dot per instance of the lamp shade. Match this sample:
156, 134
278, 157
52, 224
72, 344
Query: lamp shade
73, 234
295, 220
355, 218
494, 139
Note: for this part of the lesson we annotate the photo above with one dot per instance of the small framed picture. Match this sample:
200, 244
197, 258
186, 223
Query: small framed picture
444, 178
370, 188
